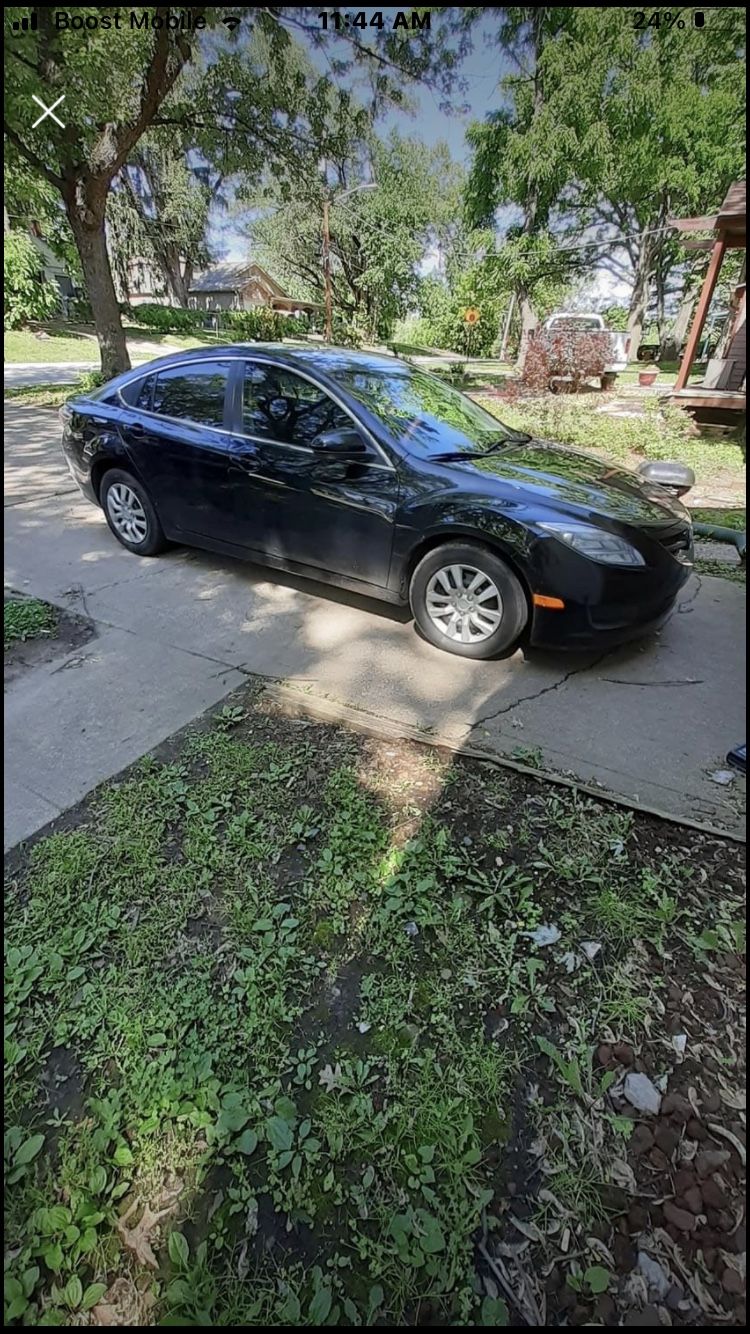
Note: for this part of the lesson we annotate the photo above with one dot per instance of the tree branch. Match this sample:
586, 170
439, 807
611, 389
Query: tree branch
158, 82
32, 158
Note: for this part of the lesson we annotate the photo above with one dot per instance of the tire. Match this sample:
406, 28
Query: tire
495, 621
609, 379
121, 495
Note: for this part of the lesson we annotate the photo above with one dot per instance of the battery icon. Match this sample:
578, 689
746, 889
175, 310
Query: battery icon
699, 19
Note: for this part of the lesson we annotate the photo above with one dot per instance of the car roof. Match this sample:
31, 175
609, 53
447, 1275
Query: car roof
322, 358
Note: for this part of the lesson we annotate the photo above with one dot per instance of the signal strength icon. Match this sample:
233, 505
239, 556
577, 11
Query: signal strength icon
26, 25
232, 21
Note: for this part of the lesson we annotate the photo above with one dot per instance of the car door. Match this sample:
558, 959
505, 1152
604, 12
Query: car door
174, 427
334, 515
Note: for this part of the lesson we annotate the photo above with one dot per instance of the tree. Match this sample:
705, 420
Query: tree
522, 154
26, 293
159, 211
114, 83
387, 202
120, 80
609, 130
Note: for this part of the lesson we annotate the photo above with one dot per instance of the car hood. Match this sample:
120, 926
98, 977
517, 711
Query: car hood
578, 481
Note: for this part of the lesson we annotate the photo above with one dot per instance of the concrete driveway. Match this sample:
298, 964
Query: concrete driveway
175, 634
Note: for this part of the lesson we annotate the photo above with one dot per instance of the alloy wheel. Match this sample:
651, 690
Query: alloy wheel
463, 603
127, 514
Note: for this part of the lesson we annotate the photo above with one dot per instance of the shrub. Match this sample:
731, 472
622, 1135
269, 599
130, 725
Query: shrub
90, 380
168, 319
258, 325
27, 295
566, 355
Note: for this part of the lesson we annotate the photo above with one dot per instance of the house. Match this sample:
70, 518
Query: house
242, 287
144, 286
54, 269
721, 394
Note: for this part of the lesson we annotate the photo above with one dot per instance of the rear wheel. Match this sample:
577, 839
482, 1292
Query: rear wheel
130, 513
609, 380
466, 600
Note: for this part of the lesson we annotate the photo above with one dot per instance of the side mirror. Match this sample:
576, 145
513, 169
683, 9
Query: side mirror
676, 478
344, 443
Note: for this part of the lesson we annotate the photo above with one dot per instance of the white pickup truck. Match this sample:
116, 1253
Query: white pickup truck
583, 326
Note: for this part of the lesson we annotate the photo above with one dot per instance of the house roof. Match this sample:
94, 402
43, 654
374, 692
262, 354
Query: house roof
728, 222
232, 278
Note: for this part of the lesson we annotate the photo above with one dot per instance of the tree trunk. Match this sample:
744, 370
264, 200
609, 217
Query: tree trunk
670, 347
639, 300
86, 218
529, 322
177, 283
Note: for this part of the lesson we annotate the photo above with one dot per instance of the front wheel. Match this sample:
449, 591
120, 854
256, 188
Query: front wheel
130, 513
466, 600
609, 380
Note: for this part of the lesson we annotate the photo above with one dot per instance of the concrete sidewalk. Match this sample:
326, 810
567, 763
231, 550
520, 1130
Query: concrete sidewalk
174, 634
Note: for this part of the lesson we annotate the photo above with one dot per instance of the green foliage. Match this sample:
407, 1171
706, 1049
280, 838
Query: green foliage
298, 998
259, 325
159, 212
616, 318
27, 295
168, 319
378, 235
27, 618
627, 126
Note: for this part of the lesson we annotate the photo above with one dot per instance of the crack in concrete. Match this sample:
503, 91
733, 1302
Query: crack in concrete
683, 607
44, 495
687, 681
545, 690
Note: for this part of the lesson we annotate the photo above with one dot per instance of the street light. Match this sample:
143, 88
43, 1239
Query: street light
328, 286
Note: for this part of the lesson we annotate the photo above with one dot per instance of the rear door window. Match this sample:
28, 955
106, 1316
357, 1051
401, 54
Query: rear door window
138, 393
193, 392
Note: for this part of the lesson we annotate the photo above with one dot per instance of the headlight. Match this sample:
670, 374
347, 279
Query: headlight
598, 545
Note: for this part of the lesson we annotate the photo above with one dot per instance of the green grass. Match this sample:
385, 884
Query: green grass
79, 343
20, 345
40, 395
251, 984
667, 373
721, 517
735, 573
659, 434
27, 618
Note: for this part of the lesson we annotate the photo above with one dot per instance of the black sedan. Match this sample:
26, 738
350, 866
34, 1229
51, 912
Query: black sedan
365, 472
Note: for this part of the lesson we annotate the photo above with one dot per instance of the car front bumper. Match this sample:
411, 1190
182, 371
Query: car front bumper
606, 605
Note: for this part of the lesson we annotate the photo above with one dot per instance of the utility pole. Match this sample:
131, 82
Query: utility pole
327, 271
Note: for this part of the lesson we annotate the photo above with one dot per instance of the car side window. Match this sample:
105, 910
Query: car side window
281, 406
138, 393
194, 392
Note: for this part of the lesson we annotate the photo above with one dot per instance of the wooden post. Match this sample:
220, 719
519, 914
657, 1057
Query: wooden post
704, 301
327, 273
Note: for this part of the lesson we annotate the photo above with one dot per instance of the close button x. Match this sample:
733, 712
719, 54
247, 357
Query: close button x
47, 111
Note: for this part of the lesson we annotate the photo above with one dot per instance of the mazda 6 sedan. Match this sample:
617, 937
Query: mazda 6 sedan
365, 472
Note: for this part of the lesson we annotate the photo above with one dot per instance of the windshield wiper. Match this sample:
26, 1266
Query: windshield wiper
520, 438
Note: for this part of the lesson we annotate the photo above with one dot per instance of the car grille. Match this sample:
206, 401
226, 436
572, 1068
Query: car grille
680, 544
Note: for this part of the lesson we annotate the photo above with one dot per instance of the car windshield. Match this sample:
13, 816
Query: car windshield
428, 416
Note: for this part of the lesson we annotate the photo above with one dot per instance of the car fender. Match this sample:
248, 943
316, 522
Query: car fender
475, 520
